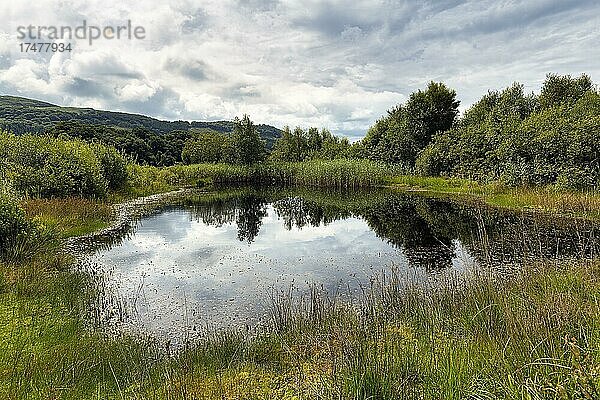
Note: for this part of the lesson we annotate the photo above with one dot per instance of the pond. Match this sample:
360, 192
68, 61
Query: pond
215, 260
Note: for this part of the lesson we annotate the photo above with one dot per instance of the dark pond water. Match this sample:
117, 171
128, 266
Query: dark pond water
215, 259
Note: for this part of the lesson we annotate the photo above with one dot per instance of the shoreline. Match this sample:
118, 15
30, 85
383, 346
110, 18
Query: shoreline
125, 214
535, 200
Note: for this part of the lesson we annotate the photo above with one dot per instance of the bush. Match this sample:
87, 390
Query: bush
112, 165
13, 223
205, 147
43, 166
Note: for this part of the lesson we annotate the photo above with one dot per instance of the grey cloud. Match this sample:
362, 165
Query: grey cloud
122, 75
244, 91
88, 88
258, 5
190, 68
332, 20
5, 61
531, 12
492, 20
162, 104
195, 22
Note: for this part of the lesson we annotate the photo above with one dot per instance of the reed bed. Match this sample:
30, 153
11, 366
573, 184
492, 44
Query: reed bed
340, 174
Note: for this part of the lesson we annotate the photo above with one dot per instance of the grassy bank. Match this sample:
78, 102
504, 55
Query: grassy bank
585, 204
536, 336
71, 216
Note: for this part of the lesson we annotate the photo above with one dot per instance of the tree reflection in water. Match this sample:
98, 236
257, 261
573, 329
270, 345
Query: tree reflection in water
251, 211
426, 230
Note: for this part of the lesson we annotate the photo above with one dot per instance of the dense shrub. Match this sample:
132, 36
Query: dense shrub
13, 223
208, 147
523, 139
112, 165
43, 166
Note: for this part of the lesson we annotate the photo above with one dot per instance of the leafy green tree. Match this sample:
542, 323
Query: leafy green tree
315, 140
229, 152
142, 145
249, 147
559, 89
357, 150
553, 138
430, 111
205, 147
332, 147
372, 141
301, 145
292, 146
407, 129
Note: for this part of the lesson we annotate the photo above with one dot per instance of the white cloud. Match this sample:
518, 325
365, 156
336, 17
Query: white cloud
138, 91
26, 77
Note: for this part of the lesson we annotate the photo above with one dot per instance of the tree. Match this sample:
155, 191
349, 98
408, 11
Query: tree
301, 145
281, 148
205, 147
332, 147
407, 129
140, 144
430, 111
315, 140
249, 147
559, 89
523, 139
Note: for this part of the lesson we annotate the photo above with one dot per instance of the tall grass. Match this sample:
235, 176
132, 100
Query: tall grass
341, 174
536, 335
72, 216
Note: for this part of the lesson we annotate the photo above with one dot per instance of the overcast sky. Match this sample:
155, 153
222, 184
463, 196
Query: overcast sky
335, 64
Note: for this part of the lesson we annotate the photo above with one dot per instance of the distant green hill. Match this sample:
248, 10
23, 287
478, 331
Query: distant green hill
21, 115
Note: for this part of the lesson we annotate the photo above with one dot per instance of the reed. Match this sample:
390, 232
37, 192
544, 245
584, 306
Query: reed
70, 216
341, 174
